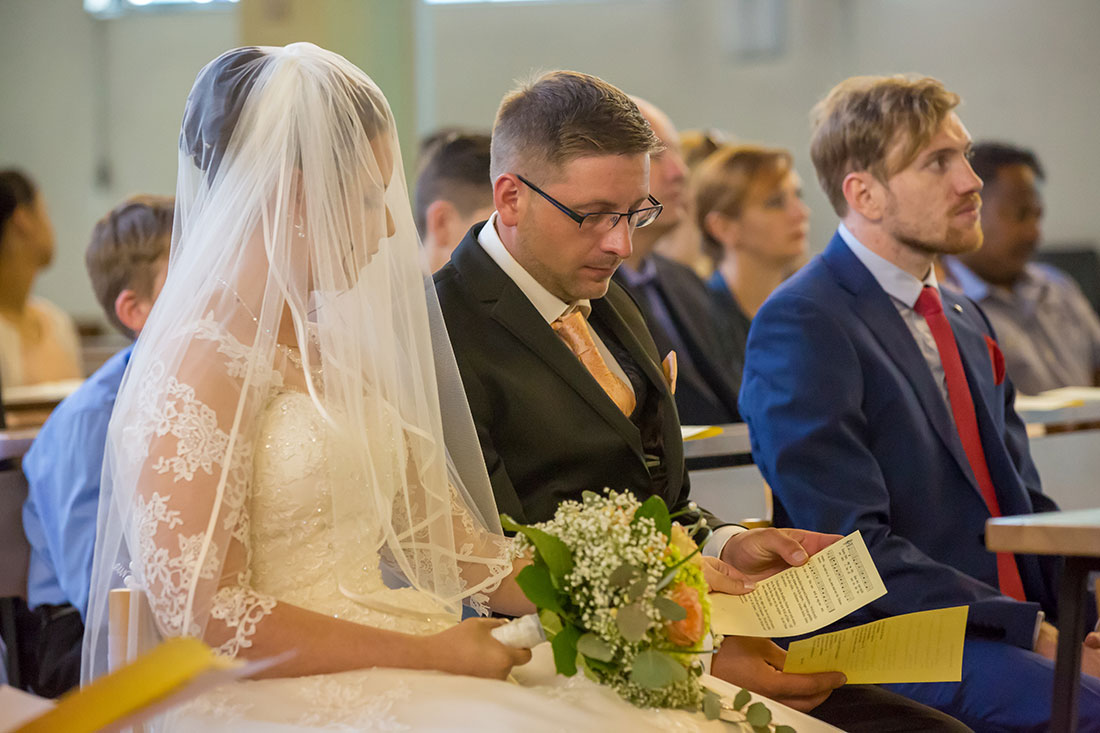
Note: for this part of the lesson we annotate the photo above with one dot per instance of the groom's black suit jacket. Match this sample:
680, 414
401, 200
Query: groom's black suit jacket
548, 431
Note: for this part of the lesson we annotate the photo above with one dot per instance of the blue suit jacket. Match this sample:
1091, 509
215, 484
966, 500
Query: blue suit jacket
851, 431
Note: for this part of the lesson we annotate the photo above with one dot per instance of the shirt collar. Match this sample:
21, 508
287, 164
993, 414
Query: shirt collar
641, 277
897, 283
970, 284
549, 306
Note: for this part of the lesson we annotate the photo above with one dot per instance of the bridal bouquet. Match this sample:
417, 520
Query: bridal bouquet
621, 596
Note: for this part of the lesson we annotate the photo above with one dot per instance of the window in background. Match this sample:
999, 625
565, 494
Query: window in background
455, 2
114, 8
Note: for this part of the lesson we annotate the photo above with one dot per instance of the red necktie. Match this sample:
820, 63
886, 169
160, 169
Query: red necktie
962, 407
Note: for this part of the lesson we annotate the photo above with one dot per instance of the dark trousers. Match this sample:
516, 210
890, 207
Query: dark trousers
56, 659
871, 709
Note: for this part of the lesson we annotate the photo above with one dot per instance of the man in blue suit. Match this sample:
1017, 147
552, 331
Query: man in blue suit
876, 402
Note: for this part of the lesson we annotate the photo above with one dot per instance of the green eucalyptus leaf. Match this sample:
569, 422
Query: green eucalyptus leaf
536, 584
758, 715
655, 508
742, 699
621, 576
633, 622
593, 646
637, 588
551, 622
554, 552
670, 609
605, 667
654, 669
784, 729
712, 704
564, 647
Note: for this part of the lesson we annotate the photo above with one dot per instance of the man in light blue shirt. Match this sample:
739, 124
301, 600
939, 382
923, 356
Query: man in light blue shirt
127, 261
1047, 328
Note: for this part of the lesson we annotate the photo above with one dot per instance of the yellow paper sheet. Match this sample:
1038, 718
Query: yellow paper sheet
926, 646
1045, 403
833, 583
1082, 394
174, 671
698, 432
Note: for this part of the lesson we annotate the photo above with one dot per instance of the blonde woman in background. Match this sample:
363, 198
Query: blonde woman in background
38, 342
749, 209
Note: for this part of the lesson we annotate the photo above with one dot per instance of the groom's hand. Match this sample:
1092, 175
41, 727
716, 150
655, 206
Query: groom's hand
724, 578
757, 664
761, 553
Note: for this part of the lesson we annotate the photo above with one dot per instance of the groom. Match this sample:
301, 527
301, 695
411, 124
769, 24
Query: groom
567, 389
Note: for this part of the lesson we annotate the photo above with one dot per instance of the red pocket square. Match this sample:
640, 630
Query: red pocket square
997, 358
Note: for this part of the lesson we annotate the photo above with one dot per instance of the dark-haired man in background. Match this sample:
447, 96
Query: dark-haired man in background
1046, 327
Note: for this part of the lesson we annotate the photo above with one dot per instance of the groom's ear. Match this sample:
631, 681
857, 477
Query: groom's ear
507, 198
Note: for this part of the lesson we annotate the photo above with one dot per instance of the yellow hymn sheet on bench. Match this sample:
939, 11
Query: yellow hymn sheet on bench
926, 646
830, 585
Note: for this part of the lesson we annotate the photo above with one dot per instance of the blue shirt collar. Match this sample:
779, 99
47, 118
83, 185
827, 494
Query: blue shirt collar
970, 284
897, 283
640, 277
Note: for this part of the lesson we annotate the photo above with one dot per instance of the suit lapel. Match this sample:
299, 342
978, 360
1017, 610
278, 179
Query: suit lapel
877, 311
509, 307
979, 373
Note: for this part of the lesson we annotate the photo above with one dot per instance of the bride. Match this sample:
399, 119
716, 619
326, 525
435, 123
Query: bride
276, 480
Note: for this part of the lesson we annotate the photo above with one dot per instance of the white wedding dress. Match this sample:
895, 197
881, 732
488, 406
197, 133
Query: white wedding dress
292, 553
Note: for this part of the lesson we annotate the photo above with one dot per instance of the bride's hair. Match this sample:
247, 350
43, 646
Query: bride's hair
218, 98
294, 267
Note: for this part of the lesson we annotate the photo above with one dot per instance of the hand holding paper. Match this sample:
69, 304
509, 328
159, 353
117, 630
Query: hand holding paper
833, 583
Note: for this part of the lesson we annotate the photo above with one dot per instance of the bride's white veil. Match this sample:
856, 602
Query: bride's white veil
294, 265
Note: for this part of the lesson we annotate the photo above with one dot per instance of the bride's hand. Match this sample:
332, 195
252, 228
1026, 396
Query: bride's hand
470, 649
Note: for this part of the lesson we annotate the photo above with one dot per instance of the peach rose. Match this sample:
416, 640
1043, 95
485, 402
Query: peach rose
690, 630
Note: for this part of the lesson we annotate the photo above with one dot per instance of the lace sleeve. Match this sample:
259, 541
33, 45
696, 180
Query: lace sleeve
435, 515
188, 444
485, 557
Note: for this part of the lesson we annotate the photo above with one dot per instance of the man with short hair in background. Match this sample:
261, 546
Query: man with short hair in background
453, 192
1046, 327
127, 260
678, 309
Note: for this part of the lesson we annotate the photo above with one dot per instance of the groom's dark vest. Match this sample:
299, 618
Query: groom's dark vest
648, 415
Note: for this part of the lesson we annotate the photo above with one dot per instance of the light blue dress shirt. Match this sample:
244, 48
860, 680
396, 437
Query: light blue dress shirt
903, 289
63, 468
1046, 327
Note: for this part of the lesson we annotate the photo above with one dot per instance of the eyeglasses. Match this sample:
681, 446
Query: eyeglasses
603, 221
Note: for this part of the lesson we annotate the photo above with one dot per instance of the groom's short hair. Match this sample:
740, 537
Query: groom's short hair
563, 115
876, 124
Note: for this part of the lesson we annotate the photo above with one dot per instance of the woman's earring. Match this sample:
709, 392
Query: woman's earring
299, 227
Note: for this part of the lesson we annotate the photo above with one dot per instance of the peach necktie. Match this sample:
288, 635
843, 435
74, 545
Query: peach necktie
573, 329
